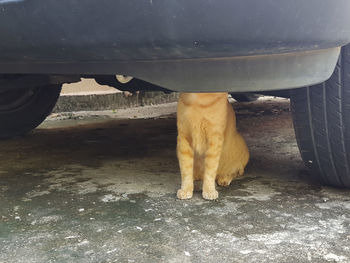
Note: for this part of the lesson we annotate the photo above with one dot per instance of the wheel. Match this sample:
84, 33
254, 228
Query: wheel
21, 110
245, 97
321, 117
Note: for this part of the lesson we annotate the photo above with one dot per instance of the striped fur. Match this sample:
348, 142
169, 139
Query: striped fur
209, 148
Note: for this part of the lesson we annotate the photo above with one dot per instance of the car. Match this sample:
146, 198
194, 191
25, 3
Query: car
294, 46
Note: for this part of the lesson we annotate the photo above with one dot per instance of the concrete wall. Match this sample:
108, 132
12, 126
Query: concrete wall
87, 95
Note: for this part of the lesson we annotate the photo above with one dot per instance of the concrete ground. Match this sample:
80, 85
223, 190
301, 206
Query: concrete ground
100, 187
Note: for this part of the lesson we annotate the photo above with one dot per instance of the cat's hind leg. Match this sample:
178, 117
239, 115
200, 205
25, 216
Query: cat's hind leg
233, 160
186, 158
226, 179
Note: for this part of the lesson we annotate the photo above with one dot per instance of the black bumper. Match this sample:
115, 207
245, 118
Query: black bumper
115, 36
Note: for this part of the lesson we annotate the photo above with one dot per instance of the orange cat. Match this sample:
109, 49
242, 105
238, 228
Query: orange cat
208, 146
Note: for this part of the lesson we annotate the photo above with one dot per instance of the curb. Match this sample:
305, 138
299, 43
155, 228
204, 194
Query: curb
111, 101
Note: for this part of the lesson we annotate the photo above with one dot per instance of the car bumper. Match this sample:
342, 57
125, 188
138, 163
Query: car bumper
185, 45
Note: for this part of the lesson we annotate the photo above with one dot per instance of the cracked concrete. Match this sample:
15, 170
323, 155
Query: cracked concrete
100, 187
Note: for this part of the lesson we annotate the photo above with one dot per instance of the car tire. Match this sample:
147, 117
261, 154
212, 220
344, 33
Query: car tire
321, 117
21, 110
245, 97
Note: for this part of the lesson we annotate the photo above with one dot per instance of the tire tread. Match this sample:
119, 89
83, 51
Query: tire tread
321, 127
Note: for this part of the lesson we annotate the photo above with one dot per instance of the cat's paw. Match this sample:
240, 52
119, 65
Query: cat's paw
182, 194
212, 195
224, 181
